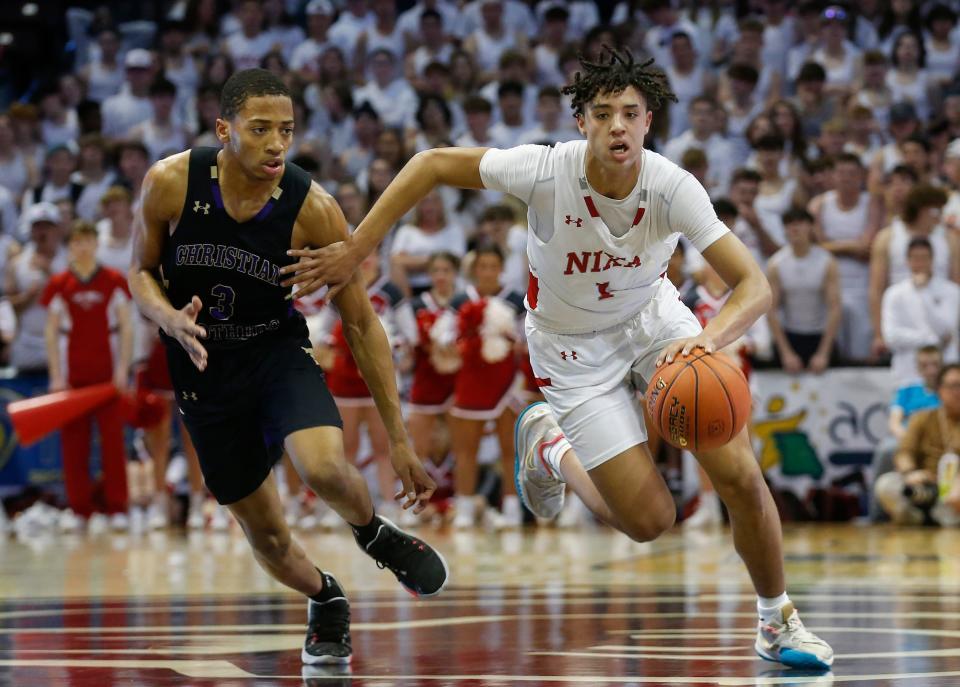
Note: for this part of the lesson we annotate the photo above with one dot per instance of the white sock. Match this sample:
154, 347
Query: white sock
466, 505
554, 454
768, 607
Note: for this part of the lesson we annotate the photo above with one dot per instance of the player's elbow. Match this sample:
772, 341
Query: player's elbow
761, 291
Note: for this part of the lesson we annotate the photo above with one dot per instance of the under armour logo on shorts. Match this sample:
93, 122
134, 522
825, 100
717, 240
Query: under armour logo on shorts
205, 207
570, 220
572, 355
189, 395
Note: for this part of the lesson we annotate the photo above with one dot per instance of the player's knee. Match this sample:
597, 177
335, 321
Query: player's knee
271, 543
741, 486
327, 476
649, 524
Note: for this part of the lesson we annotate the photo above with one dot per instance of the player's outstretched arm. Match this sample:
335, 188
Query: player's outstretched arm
162, 196
332, 265
321, 223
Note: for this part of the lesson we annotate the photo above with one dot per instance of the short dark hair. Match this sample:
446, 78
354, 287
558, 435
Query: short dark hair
745, 174
850, 158
444, 255
796, 214
476, 103
944, 370
905, 171
426, 101
928, 349
614, 72
163, 86
919, 242
248, 83
811, 71
431, 14
724, 207
741, 71
771, 141
551, 92
920, 140
922, 196
510, 88
486, 247
498, 213
874, 58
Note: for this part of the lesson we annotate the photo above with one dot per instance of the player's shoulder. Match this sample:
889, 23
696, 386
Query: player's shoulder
165, 184
662, 174
320, 219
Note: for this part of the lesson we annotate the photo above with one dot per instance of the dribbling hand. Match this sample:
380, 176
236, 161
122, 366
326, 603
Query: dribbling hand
318, 267
184, 328
684, 346
417, 485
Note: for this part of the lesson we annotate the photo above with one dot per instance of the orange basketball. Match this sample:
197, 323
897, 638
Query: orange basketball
699, 401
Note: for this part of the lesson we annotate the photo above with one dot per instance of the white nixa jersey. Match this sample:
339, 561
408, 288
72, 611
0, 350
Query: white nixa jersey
595, 261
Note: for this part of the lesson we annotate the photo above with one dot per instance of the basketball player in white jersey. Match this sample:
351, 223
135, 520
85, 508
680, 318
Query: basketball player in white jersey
604, 218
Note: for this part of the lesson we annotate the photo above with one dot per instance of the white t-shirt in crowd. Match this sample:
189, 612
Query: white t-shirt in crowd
597, 260
413, 240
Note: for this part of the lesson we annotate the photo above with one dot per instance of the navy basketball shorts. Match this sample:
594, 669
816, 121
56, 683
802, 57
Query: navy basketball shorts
241, 408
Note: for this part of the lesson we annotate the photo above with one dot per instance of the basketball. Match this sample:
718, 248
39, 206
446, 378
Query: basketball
699, 401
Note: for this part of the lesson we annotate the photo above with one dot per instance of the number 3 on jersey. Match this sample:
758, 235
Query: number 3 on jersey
225, 296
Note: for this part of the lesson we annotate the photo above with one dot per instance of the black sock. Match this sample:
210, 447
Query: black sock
364, 534
331, 588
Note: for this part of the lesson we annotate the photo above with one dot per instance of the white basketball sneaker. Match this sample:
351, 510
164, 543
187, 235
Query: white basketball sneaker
784, 639
539, 486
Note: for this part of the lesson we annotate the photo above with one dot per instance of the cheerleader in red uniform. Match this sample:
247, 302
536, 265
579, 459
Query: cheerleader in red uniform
357, 407
434, 367
487, 332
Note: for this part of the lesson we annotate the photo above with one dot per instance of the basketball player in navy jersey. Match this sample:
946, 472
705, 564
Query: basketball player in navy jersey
216, 225
604, 217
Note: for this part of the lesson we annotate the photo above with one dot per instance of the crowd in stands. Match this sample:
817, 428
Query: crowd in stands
827, 135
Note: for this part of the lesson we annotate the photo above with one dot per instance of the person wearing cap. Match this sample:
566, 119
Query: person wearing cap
25, 277
305, 59
951, 172
840, 58
131, 105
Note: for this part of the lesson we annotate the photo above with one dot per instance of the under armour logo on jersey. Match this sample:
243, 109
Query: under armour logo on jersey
188, 395
570, 220
205, 207
572, 355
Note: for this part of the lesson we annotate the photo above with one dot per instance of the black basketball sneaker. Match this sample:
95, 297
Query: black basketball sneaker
421, 570
328, 628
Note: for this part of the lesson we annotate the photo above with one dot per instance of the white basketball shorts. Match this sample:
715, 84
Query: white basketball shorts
591, 380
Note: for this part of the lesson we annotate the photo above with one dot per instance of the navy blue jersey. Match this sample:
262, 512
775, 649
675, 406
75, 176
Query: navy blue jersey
234, 267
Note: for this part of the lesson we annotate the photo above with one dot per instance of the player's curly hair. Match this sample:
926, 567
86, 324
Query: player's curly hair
613, 72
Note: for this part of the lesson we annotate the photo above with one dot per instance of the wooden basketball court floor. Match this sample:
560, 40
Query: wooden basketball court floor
537, 607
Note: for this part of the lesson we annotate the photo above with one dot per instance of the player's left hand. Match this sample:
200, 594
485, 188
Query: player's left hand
684, 346
417, 485
318, 267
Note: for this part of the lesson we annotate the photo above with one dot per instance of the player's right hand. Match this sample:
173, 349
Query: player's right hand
184, 328
417, 485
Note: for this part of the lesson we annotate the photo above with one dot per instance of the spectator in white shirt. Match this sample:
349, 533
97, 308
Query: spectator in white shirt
702, 134
549, 129
115, 230
382, 34
546, 56
103, 75
514, 66
434, 46
392, 97
479, 113
434, 120
93, 174
250, 44
493, 37
411, 21
305, 59
280, 29
133, 161
688, 80
744, 188
58, 124
951, 173
921, 310
354, 19
511, 125
131, 105
366, 129
161, 134
888, 254
805, 314
414, 243
60, 163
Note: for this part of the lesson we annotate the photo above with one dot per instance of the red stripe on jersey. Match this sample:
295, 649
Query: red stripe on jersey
590, 206
639, 216
533, 291
542, 381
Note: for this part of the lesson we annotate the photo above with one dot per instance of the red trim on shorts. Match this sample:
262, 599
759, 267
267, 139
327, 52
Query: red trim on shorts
542, 381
